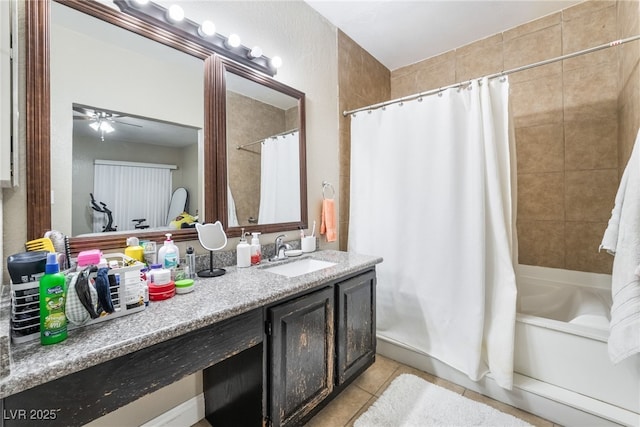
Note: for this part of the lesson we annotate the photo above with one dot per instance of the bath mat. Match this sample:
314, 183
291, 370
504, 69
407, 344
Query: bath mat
410, 401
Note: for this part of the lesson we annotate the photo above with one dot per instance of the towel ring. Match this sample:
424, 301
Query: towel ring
326, 184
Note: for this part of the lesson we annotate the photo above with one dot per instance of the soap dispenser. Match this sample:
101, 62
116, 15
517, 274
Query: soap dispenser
243, 252
168, 255
256, 249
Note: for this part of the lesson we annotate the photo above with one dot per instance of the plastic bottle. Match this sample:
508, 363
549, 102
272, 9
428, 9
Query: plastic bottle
145, 277
190, 260
53, 322
256, 249
243, 252
153, 268
134, 250
168, 255
145, 295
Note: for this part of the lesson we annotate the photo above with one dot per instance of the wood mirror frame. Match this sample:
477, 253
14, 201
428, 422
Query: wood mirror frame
38, 130
38, 127
222, 66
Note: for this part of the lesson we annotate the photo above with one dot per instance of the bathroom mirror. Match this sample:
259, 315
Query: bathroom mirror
212, 162
264, 158
142, 83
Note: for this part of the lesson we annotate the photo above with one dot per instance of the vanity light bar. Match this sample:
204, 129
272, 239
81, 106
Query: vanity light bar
158, 15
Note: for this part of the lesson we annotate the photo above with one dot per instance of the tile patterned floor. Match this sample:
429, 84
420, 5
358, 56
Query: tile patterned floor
345, 409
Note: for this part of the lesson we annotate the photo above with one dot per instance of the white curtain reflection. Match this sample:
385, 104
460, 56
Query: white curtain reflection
132, 191
231, 209
280, 180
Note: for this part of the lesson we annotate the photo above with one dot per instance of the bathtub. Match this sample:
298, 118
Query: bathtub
561, 336
562, 368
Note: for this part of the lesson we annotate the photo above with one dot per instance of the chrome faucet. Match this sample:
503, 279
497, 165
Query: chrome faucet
281, 247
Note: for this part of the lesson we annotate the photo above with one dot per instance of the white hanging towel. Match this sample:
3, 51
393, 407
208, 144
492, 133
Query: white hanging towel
622, 239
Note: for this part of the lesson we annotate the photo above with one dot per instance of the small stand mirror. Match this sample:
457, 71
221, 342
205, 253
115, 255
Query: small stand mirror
213, 238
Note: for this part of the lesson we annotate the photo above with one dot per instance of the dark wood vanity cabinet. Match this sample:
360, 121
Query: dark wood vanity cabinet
317, 344
301, 355
355, 325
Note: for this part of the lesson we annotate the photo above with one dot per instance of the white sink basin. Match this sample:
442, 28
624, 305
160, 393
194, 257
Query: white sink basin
300, 267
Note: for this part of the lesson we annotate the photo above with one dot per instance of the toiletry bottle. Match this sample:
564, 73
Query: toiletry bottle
243, 252
190, 259
168, 255
145, 277
134, 250
256, 249
53, 322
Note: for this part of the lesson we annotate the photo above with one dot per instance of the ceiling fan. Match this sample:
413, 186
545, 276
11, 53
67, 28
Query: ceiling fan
102, 121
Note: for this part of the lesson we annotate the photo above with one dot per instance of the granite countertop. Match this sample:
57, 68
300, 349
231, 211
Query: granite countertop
213, 300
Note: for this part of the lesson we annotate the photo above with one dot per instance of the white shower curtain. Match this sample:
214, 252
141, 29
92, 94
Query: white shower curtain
280, 179
132, 191
432, 192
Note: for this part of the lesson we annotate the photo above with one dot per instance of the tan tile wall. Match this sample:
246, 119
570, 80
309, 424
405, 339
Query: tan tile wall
362, 81
248, 121
575, 122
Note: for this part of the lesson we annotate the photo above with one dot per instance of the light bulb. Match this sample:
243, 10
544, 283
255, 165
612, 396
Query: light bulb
106, 127
207, 29
276, 61
255, 52
234, 40
95, 126
175, 13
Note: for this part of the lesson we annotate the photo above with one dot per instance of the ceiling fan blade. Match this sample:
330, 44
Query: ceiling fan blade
128, 124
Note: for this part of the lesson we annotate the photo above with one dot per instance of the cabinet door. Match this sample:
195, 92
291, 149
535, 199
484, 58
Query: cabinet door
301, 355
356, 325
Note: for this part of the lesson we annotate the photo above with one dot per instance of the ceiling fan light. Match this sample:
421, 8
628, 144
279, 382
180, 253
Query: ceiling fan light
95, 126
106, 127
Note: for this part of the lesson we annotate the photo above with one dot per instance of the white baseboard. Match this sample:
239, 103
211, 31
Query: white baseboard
186, 414
544, 400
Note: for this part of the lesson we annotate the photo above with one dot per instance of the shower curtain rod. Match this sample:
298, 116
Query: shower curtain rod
240, 147
493, 76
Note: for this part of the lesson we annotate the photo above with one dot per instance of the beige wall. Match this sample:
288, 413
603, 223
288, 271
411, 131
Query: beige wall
567, 122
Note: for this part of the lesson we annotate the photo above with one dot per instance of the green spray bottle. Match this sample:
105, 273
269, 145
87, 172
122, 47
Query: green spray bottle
53, 322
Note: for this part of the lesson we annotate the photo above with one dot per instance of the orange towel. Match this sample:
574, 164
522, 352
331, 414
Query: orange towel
328, 224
